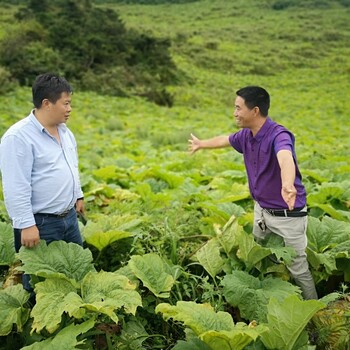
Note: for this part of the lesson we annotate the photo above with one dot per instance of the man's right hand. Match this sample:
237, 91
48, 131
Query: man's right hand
30, 237
193, 144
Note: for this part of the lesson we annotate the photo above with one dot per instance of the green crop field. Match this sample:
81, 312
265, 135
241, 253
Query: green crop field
169, 259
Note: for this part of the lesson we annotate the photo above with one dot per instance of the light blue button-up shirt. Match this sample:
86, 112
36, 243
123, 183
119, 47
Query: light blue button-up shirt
39, 175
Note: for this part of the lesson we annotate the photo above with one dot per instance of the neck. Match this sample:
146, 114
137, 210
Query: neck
258, 125
43, 119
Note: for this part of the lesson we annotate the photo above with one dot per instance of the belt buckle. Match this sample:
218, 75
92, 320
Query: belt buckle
62, 215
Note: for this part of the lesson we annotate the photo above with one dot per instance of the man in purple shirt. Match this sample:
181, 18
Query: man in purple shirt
273, 175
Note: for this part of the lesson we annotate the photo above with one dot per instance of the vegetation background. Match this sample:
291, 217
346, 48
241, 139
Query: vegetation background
133, 140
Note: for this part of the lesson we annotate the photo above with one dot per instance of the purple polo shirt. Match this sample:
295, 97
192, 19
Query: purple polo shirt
263, 170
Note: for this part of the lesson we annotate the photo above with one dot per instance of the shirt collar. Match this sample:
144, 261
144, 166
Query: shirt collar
62, 127
261, 133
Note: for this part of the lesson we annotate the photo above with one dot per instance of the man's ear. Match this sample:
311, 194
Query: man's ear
45, 104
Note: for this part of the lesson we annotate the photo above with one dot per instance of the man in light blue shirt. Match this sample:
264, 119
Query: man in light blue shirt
39, 166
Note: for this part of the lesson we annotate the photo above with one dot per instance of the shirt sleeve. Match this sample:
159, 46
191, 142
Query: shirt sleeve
79, 192
283, 141
16, 162
236, 141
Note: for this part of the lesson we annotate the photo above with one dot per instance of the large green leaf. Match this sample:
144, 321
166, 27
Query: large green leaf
133, 335
101, 240
55, 296
107, 173
216, 329
328, 193
317, 175
58, 259
286, 321
109, 229
12, 309
102, 292
238, 192
229, 235
328, 241
107, 291
7, 249
66, 339
251, 295
155, 172
192, 344
151, 270
322, 261
236, 339
199, 317
326, 233
250, 251
209, 257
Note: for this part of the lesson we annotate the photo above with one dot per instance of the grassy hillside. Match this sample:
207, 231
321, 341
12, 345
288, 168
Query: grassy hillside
300, 54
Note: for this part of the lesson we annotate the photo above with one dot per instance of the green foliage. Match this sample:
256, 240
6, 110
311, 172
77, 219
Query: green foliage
284, 4
25, 54
209, 257
286, 324
91, 47
66, 339
79, 295
152, 271
329, 247
13, 309
7, 83
7, 250
232, 243
252, 295
100, 293
196, 212
217, 330
146, 2
104, 232
58, 259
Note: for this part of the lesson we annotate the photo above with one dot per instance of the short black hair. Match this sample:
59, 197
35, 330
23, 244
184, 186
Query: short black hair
49, 86
255, 96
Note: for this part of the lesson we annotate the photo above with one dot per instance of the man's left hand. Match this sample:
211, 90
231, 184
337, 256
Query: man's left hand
289, 196
79, 206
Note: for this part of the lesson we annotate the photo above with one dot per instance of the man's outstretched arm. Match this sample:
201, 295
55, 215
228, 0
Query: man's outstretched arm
195, 144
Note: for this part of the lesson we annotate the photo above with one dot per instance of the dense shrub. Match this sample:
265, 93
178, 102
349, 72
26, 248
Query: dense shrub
6, 82
284, 4
90, 47
146, 2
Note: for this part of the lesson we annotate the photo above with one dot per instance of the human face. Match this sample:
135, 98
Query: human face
60, 111
245, 117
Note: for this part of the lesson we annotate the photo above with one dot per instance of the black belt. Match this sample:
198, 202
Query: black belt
296, 212
61, 215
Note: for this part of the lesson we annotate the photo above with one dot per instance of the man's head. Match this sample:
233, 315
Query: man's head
49, 87
255, 96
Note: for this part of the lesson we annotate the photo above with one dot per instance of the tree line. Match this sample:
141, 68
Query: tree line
91, 47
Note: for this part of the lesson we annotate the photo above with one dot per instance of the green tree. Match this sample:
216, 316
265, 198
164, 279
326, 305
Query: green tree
91, 47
